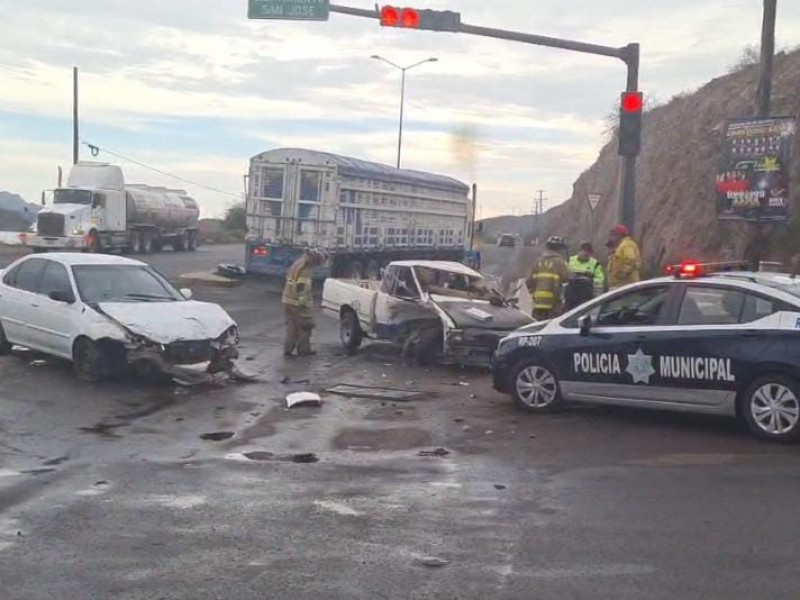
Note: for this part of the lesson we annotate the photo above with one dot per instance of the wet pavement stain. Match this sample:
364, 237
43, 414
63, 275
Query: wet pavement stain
259, 456
55, 461
381, 439
37, 471
103, 429
217, 436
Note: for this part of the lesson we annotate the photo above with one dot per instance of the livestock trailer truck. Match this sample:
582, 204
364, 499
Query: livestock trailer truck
98, 212
364, 214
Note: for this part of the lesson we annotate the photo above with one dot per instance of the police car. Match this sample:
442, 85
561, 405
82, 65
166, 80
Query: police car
705, 341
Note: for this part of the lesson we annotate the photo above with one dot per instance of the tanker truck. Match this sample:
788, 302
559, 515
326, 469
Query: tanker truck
98, 212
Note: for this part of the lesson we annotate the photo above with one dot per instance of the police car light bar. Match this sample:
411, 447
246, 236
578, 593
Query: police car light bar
689, 269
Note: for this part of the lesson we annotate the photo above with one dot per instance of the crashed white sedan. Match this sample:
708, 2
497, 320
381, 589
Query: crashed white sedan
105, 313
438, 310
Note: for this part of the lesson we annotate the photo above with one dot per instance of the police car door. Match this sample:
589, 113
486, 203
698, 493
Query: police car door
703, 357
607, 363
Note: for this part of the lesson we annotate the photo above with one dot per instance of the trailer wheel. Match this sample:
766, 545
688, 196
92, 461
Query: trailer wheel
179, 245
191, 245
147, 242
373, 270
354, 272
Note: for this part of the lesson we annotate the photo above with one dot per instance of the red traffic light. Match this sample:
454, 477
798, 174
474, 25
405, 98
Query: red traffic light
410, 18
390, 16
632, 102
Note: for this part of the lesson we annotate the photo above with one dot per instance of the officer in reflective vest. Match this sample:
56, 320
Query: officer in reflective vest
298, 304
546, 283
588, 278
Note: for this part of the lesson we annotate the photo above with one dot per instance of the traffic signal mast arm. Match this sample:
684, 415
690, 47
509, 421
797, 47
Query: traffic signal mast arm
628, 54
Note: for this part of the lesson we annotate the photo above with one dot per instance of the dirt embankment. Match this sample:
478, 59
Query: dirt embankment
676, 202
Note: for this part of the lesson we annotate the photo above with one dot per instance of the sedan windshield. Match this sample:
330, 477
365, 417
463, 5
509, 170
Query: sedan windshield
122, 283
67, 196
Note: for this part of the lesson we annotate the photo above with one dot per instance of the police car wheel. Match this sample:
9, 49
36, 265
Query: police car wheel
535, 387
771, 408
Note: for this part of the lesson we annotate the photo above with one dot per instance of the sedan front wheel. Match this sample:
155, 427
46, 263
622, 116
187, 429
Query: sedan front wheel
771, 408
535, 387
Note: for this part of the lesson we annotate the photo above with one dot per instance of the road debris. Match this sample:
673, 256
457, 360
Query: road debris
303, 399
287, 380
217, 436
459, 419
439, 453
489, 432
372, 393
466, 428
500, 486
399, 412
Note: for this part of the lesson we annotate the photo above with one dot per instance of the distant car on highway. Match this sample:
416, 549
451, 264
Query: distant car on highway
507, 240
105, 313
716, 343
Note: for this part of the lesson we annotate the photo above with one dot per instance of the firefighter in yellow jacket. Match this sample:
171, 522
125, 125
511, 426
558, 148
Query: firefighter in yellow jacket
298, 303
546, 283
625, 261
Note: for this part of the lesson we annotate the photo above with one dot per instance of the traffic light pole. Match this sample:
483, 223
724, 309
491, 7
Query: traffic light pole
628, 54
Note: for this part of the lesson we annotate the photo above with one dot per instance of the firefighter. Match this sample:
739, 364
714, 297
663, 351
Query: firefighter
546, 283
587, 277
298, 305
625, 262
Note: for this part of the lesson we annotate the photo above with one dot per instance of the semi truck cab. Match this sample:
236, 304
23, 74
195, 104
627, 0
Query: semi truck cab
97, 211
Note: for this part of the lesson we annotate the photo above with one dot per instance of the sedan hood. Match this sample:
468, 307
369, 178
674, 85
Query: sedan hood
482, 315
168, 322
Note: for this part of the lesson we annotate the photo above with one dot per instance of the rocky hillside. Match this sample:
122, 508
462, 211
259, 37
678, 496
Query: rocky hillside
676, 207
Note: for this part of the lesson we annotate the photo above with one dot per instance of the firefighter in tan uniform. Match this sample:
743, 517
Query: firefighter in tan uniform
298, 303
546, 283
625, 262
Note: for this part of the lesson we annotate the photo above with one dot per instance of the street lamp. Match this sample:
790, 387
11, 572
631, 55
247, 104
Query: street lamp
402, 94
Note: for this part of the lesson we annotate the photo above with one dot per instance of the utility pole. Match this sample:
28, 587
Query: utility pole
764, 90
75, 126
538, 211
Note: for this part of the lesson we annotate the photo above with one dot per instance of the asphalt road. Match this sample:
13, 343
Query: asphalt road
108, 491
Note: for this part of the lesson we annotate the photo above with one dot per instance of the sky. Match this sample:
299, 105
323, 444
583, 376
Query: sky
192, 88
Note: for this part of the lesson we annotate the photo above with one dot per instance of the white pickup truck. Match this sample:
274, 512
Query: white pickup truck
437, 310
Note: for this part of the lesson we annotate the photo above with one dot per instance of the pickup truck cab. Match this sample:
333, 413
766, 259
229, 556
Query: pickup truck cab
438, 310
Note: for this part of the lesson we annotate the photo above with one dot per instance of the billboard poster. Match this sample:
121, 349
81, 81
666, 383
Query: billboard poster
753, 179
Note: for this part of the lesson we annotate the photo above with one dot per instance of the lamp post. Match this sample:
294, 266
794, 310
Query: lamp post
402, 95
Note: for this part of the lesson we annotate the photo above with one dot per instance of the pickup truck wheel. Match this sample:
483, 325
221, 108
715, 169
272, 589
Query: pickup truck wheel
87, 361
5, 345
350, 332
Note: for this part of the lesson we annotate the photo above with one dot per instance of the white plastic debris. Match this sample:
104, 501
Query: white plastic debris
303, 399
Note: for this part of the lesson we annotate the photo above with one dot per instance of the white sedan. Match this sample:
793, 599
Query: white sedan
105, 313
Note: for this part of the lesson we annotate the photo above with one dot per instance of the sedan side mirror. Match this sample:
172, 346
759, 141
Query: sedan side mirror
186, 293
62, 296
585, 323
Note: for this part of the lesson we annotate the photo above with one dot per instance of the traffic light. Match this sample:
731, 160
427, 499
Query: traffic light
630, 123
412, 18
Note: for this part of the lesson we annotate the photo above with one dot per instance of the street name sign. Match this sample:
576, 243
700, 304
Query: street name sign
296, 10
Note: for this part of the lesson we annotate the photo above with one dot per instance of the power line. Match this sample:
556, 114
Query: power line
95, 149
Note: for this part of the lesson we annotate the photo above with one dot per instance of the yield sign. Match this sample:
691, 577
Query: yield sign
594, 200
